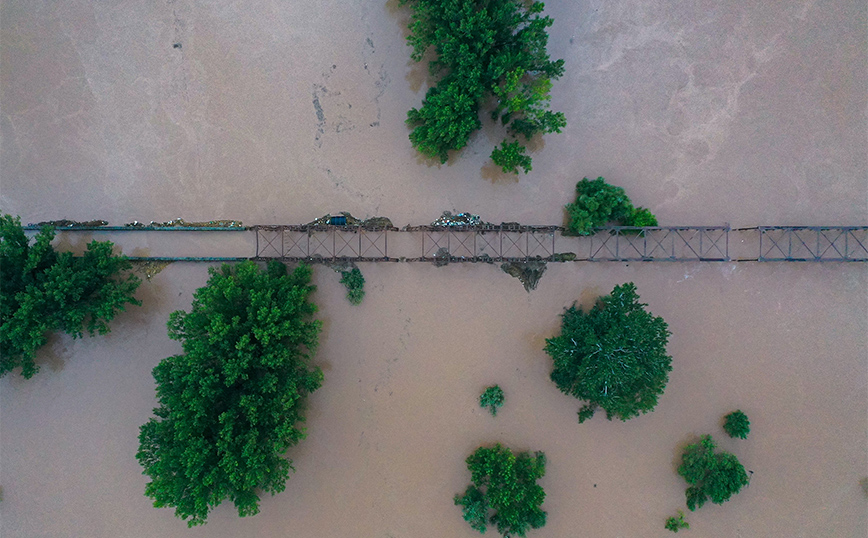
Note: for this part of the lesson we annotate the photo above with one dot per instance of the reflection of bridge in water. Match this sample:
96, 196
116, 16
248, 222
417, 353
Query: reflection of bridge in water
507, 242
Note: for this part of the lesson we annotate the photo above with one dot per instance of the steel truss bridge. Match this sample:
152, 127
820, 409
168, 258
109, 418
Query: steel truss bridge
513, 242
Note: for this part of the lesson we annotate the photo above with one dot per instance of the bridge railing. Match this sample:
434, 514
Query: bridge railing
486, 242
326, 242
503, 242
660, 243
813, 243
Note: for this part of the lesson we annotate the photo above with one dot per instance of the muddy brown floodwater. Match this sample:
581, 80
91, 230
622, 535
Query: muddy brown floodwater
279, 112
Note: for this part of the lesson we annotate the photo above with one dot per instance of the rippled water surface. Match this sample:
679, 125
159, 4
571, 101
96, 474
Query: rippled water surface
279, 112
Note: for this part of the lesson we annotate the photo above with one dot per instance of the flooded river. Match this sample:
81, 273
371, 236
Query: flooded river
279, 112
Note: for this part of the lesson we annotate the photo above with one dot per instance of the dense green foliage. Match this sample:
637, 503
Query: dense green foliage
675, 524
640, 217
492, 398
42, 291
717, 476
510, 157
504, 491
598, 203
355, 284
613, 356
736, 424
231, 404
485, 50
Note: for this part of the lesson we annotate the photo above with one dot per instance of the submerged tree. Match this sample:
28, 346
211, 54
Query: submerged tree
510, 157
717, 476
43, 291
613, 357
675, 524
597, 204
354, 281
737, 424
492, 399
504, 491
231, 404
484, 49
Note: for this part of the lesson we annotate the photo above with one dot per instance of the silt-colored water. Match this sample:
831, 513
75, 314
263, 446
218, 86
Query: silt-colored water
279, 112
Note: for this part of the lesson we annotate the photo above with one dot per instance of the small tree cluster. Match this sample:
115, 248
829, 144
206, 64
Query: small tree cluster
492, 398
504, 491
43, 291
231, 404
736, 424
355, 284
510, 157
598, 203
716, 476
484, 49
613, 357
675, 524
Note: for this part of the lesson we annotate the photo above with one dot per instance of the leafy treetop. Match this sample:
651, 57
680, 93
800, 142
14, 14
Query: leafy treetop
483, 49
737, 424
675, 524
598, 203
354, 281
42, 291
504, 491
717, 476
510, 157
613, 356
231, 404
492, 398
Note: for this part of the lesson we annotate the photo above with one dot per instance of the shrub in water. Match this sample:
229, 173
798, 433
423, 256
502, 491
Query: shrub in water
716, 476
736, 424
598, 204
355, 284
492, 398
675, 524
504, 491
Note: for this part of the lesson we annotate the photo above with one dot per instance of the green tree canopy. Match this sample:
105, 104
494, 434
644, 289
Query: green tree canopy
485, 50
504, 491
675, 524
231, 404
42, 291
717, 476
354, 281
613, 357
737, 424
492, 399
598, 203
510, 157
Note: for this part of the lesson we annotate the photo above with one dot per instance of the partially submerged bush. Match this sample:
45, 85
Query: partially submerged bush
510, 157
598, 204
42, 291
675, 524
504, 491
715, 476
736, 424
492, 398
355, 284
613, 356
231, 405
641, 217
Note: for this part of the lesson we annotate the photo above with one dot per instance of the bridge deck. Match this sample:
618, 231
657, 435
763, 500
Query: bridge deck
506, 242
